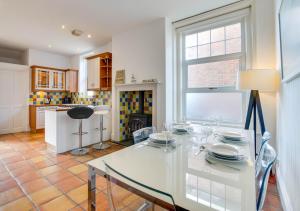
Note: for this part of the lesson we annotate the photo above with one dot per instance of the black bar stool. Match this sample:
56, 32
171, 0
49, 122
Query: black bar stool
80, 113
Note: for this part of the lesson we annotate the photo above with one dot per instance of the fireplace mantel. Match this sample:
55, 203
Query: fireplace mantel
135, 87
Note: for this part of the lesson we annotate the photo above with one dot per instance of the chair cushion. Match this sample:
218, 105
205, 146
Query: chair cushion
82, 112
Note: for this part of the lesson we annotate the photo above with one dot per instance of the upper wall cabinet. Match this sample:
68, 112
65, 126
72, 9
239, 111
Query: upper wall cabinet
72, 80
99, 72
48, 79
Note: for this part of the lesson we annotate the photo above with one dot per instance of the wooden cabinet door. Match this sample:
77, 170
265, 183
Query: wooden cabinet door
42, 79
93, 73
57, 80
72, 81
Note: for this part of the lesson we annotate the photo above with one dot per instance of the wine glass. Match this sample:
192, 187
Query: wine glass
166, 132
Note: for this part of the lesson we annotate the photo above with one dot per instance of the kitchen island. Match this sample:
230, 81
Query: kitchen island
59, 129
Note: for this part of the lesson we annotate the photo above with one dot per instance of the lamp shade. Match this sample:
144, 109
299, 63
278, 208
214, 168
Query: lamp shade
262, 80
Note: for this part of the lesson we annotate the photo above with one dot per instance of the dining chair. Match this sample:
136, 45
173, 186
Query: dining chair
125, 193
262, 178
264, 140
143, 134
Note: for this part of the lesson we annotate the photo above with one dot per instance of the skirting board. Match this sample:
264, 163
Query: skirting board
284, 197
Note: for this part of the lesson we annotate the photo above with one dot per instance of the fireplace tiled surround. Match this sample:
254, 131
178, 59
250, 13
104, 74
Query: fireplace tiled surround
126, 102
99, 97
129, 103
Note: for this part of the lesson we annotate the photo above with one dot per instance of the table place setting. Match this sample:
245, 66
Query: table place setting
230, 137
161, 140
226, 155
182, 128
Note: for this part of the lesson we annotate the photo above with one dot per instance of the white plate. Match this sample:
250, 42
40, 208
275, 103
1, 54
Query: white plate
160, 137
182, 127
244, 160
231, 135
224, 150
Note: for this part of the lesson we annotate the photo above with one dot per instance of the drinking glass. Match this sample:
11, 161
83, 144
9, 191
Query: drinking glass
166, 131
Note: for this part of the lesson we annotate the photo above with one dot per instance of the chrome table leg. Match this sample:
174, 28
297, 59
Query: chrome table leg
91, 189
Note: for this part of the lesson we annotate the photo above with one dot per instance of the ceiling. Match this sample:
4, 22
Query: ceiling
38, 23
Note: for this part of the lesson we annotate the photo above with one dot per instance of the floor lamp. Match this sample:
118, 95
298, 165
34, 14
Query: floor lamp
257, 80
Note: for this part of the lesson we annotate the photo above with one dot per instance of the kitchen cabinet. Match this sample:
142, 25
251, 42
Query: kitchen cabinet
37, 117
99, 72
93, 73
47, 79
72, 80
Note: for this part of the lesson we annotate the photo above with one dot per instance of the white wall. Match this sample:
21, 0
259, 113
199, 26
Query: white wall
288, 133
264, 56
43, 58
141, 52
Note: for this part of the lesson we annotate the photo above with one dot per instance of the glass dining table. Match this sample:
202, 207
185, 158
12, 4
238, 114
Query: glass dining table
184, 173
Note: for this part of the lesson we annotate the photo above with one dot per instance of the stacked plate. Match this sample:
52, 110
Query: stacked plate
231, 137
161, 138
225, 153
182, 128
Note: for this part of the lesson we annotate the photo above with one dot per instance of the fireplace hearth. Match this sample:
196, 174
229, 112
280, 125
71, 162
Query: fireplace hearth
140, 119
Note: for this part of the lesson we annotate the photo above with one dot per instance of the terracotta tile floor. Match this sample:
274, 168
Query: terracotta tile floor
32, 177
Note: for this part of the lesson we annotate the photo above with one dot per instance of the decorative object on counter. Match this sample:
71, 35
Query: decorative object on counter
48, 99
120, 77
133, 79
153, 80
101, 145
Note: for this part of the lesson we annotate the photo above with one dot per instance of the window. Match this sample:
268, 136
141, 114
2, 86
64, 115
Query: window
211, 55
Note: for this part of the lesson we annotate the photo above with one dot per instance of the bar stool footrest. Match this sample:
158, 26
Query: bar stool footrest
80, 151
101, 146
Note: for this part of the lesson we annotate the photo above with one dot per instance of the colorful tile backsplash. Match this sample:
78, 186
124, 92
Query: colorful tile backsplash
99, 97
129, 103
39, 98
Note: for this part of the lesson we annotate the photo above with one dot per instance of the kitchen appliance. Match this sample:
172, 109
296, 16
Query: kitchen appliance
67, 100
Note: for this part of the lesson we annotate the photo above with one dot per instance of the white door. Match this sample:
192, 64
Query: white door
93, 71
14, 93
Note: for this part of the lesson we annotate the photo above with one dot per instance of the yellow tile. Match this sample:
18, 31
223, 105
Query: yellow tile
20, 204
79, 194
84, 158
61, 203
50, 170
45, 195
78, 169
38, 159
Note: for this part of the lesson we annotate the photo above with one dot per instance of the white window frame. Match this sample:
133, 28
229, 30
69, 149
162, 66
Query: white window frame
242, 16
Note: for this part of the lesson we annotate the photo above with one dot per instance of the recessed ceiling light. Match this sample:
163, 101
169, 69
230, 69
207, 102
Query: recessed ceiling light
49, 46
89, 36
63, 26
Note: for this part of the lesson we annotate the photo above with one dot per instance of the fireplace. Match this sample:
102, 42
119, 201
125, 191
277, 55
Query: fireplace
135, 112
127, 106
140, 119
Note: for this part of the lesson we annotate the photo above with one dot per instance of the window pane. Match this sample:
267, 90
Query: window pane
233, 31
214, 74
218, 48
203, 37
233, 46
227, 107
191, 40
217, 34
203, 51
191, 53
